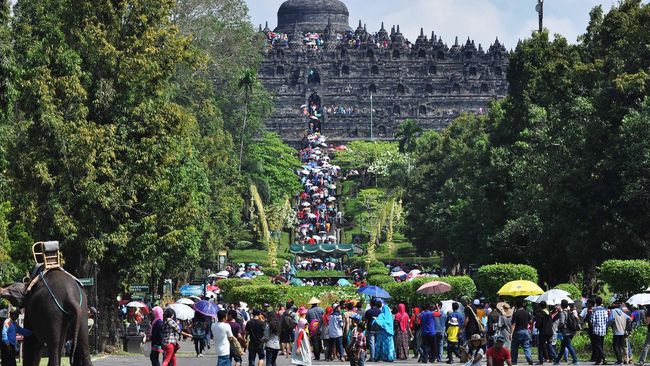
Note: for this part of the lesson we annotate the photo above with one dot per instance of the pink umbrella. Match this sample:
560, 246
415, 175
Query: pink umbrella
433, 288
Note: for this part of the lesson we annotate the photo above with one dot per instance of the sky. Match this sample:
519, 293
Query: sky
480, 20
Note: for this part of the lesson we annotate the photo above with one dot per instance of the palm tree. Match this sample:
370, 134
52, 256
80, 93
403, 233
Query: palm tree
407, 134
246, 82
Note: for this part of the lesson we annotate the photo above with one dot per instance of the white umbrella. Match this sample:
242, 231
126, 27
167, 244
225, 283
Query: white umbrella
306, 204
398, 274
185, 301
532, 298
415, 272
331, 199
639, 299
183, 312
136, 304
223, 274
316, 260
304, 263
554, 297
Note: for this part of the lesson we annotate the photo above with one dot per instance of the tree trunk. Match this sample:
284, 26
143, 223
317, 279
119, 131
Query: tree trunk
108, 319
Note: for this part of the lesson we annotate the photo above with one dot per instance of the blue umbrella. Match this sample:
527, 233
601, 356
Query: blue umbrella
247, 275
343, 282
206, 308
374, 291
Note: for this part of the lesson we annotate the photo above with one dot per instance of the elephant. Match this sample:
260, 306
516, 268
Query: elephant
56, 310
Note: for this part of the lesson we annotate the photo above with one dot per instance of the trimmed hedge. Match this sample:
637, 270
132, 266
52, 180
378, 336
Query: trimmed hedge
405, 292
272, 272
625, 276
491, 278
380, 280
257, 295
573, 290
378, 271
322, 273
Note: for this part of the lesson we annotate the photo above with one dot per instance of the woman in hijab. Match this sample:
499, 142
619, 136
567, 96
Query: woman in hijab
325, 333
156, 336
416, 330
301, 352
385, 346
403, 332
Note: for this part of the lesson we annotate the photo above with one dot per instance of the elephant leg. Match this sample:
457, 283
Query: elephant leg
82, 353
32, 347
55, 345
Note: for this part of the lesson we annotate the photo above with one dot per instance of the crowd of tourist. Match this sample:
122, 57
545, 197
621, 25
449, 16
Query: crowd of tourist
314, 41
472, 332
318, 212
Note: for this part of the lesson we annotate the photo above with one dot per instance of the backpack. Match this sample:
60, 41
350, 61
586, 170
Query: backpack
572, 322
288, 323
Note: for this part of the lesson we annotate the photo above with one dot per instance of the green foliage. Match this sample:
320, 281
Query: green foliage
275, 168
573, 290
256, 296
382, 271
379, 163
405, 292
272, 272
491, 278
407, 134
625, 277
380, 280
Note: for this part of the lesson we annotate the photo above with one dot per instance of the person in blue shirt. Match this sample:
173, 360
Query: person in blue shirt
9, 329
429, 348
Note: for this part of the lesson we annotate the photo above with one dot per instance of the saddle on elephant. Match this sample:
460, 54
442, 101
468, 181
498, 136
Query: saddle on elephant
47, 256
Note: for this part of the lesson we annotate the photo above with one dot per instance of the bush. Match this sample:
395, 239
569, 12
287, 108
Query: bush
491, 278
405, 292
272, 272
257, 295
226, 285
625, 276
573, 290
378, 271
380, 280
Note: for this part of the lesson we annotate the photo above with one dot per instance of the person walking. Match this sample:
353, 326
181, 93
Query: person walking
385, 345
360, 344
452, 340
544, 325
372, 327
498, 355
402, 332
287, 329
646, 346
272, 336
314, 318
599, 319
416, 330
336, 332
428, 335
504, 324
585, 315
520, 334
10, 328
155, 336
255, 331
440, 320
199, 333
238, 333
567, 325
492, 323
301, 352
222, 333
171, 334
325, 333
619, 321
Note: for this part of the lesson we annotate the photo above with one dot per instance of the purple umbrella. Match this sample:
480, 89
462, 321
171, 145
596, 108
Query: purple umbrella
206, 308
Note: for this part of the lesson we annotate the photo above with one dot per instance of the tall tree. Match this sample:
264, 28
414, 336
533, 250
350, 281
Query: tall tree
407, 133
104, 159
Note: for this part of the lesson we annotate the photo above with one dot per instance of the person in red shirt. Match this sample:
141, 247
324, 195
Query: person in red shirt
498, 355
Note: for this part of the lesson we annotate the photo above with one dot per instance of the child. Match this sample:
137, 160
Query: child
452, 340
357, 352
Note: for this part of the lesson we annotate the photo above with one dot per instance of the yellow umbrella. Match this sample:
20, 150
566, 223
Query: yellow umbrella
520, 288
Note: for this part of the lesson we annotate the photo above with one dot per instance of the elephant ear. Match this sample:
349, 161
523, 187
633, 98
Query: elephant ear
15, 293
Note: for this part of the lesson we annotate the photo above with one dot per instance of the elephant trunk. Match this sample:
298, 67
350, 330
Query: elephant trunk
15, 293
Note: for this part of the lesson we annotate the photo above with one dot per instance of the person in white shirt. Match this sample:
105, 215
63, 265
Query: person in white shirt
221, 332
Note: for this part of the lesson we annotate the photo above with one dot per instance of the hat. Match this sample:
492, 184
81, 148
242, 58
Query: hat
499, 338
453, 321
477, 337
313, 301
302, 310
477, 302
505, 309
356, 317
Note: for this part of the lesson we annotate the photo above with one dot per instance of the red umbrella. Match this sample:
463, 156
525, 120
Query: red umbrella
434, 288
